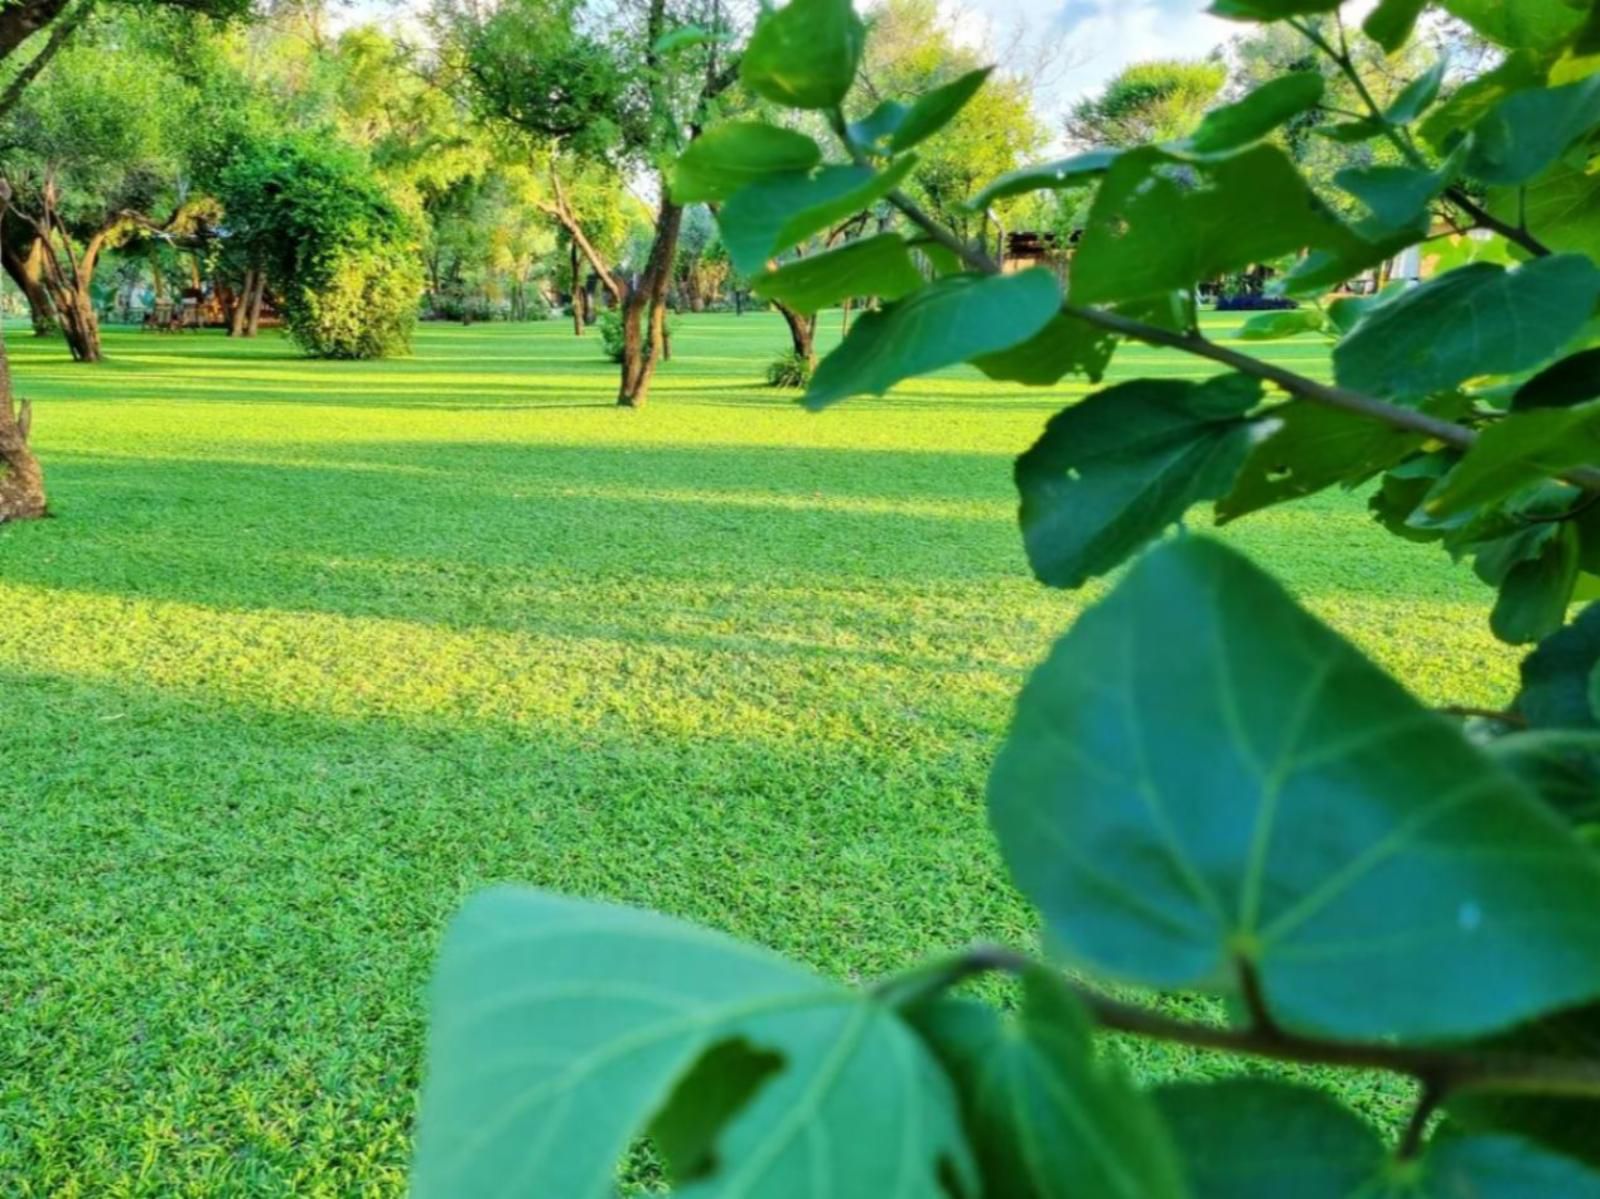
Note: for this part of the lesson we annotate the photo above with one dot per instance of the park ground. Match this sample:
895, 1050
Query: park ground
312, 650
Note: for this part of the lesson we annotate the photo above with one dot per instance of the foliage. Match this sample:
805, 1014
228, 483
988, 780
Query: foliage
789, 370
338, 252
1204, 788
1147, 102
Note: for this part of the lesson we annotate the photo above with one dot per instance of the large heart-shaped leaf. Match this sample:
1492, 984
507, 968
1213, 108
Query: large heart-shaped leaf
805, 54
1113, 471
1527, 131
1476, 320
1203, 779
1049, 1117
561, 1028
948, 321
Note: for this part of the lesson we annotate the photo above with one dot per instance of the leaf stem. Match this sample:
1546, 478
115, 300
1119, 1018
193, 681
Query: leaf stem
1329, 395
1442, 1072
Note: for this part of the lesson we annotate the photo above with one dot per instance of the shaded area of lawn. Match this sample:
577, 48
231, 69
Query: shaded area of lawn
314, 649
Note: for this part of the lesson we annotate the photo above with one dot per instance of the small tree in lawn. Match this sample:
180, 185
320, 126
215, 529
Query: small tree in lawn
335, 248
627, 85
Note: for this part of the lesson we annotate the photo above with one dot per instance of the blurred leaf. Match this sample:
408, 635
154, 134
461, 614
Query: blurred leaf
879, 125
1519, 24
780, 211
1065, 346
1520, 449
687, 36
805, 54
1203, 775
1318, 1148
1270, 10
1291, 322
1391, 22
1312, 448
948, 321
871, 266
1535, 592
1572, 380
727, 157
1113, 471
1256, 115
1494, 1167
1556, 676
1418, 95
1160, 223
1474, 99
1476, 320
561, 1027
936, 109
1561, 208
1078, 171
1049, 1118
1528, 130
1561, 765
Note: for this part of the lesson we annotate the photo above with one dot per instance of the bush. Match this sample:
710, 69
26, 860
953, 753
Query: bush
610, 326
789, 370
338, 252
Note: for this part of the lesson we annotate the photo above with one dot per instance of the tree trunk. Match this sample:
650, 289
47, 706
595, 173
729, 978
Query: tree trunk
241, 305
253, 323
802, 333
21, 479
844, 317
26, 269
79, 323
579, 300
641, 349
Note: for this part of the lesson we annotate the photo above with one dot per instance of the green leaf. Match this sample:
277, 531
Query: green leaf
561, 1028
1312, 448
1556, 676
1474, 99
1114, 470
949, 321
1350, 132
1270, 10
1417, 95
1289, 322
1521, 449
805, 54
1160, 223
1390, 23
1256, 115
1561, 765
936, 109
1248, 1138
1048, 1117
780, 211
1519, 24
1564, 1125
729, 156
685, 37
1561, 208
1080, 170
879, 125
1258, 1139
1492, 1167
1477, 320
1065, 346
1528, 130
1202, 774
1572, 380
870, 266
1535, 592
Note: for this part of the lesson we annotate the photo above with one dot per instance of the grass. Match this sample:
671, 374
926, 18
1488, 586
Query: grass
313, 650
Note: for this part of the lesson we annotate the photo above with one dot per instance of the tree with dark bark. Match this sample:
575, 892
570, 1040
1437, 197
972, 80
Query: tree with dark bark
627, 98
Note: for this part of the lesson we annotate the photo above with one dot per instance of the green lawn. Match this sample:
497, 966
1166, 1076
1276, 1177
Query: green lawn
312, 650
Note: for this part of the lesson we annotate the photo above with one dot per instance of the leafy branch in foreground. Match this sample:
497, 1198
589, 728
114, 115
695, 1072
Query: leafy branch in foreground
1204, 790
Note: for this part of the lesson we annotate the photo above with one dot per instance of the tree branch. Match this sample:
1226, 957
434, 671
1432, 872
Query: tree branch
1442, 1072
63, 30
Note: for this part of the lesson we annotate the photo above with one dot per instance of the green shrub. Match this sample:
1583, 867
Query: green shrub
340, 255
610, 326
789, 370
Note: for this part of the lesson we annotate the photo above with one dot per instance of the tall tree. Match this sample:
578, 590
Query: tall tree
1146, 102
607, 84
